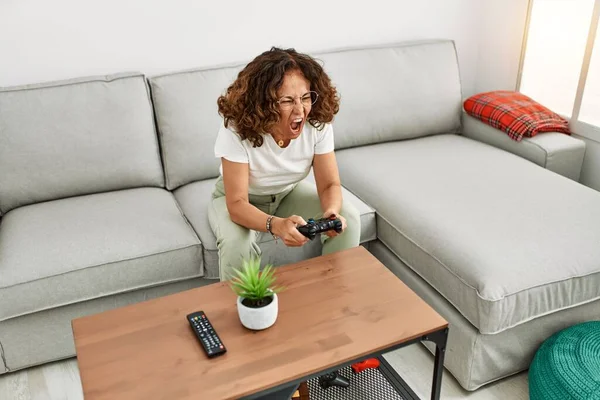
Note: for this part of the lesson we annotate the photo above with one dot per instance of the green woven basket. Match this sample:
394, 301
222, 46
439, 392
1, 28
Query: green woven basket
567, 365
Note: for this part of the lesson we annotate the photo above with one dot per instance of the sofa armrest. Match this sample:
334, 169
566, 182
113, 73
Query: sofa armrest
555, 151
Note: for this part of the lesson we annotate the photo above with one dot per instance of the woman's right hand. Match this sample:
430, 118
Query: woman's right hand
287, 230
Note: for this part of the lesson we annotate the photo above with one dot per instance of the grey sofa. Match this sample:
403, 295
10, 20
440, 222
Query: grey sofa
105, 182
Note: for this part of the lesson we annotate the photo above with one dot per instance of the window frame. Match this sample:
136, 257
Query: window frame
578, 127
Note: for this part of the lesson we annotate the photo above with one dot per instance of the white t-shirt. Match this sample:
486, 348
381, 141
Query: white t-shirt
274, 169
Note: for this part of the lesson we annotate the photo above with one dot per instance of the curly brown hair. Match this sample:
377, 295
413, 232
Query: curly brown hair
250, 102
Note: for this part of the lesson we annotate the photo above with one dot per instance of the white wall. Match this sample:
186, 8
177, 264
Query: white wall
500, 41
44, 40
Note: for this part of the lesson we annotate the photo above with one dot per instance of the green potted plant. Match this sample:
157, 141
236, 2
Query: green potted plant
257, 302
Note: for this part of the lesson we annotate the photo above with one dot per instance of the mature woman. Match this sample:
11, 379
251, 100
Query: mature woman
277, 116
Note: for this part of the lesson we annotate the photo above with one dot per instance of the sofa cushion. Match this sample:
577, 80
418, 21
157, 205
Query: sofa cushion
504, 240
395, 92
188, 121
419, 78
76, 137
194, 199
70, 250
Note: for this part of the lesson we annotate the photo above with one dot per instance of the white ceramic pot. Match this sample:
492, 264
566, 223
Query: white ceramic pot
258, 318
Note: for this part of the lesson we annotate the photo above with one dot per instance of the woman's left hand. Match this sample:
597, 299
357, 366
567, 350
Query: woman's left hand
333, 233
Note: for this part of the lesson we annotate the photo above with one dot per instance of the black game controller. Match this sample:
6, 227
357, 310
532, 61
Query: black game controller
333, 379
312, 228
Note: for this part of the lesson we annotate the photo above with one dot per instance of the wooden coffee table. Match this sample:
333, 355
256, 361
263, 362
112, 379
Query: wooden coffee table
337, 310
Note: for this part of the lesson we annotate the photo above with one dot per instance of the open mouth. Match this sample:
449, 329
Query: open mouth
296, 125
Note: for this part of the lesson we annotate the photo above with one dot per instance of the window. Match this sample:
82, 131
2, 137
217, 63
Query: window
590, 105
560, 65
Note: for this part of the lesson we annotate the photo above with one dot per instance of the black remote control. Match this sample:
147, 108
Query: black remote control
206, 334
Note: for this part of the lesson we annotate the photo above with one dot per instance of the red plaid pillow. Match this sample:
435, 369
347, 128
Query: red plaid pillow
515, 114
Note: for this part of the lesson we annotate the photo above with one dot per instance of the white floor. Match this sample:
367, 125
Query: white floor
415, 365
60, 380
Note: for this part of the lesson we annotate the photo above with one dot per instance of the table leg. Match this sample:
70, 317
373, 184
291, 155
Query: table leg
439, 338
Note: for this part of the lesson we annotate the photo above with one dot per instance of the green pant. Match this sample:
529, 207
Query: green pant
236, 242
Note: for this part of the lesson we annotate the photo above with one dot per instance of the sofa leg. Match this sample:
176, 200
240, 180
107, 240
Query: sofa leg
439, 338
